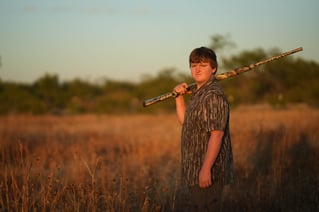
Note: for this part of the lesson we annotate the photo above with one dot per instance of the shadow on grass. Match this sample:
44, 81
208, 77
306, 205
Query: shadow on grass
284, 182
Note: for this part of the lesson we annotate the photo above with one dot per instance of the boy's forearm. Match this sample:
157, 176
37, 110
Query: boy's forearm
180, 108
212, 149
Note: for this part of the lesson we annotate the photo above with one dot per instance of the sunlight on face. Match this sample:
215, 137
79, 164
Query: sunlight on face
202, 72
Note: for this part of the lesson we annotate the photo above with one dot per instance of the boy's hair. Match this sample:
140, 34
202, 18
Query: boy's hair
203, 54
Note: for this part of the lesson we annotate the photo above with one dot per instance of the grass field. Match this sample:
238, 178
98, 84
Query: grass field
132, 162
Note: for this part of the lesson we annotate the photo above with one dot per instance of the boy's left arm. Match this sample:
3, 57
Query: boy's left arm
213, 148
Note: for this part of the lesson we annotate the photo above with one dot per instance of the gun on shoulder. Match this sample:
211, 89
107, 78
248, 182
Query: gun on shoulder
222, 76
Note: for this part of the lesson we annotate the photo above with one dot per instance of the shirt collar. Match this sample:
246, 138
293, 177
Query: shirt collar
207, 84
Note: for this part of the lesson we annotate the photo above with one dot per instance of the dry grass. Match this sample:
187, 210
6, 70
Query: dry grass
132, 163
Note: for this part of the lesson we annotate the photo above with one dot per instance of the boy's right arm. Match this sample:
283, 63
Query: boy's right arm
180, 108
181, 89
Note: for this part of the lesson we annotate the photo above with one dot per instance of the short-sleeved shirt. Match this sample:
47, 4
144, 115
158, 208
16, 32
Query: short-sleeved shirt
207, 110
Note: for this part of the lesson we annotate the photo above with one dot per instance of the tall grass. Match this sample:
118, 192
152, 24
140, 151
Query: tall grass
132, 163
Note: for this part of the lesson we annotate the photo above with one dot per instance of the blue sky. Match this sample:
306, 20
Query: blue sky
124, 40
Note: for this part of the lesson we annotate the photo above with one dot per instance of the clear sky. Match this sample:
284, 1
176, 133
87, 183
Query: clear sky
124, 40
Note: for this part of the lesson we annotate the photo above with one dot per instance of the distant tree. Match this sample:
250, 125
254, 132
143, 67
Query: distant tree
17, 98
278, 82
221, 42
116, 97
48, 90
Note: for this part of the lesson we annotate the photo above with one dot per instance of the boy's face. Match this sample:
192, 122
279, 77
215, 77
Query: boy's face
202, 72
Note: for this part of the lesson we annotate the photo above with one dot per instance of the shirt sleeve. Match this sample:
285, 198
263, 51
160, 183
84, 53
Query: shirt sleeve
217, 112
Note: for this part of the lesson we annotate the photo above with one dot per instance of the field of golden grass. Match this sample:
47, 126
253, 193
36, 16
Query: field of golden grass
132, 162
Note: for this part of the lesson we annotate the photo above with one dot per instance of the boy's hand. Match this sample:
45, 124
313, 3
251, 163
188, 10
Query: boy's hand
181, 89
205, 179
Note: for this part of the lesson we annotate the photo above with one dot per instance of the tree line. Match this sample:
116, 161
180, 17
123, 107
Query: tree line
288, 80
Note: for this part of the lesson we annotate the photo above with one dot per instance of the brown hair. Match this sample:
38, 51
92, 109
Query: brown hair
203, 54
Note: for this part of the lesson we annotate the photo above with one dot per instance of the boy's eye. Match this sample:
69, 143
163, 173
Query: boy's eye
193, 65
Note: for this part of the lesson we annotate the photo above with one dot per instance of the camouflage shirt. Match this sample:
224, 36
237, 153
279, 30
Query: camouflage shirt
207, 110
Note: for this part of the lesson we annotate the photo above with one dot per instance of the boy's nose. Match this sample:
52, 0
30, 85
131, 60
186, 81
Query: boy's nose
197, 68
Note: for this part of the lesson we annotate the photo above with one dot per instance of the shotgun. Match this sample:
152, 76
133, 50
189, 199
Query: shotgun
222, 76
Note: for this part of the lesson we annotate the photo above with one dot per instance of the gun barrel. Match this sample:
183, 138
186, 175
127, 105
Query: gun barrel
159, 98
243, 69
223, 76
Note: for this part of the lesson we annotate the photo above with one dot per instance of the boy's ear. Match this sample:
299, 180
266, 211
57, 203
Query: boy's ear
214, 70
